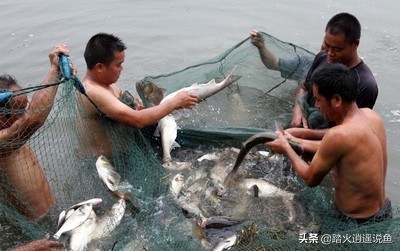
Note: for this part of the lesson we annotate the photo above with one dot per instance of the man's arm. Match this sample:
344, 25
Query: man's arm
323, 161
298, 118
39, 107
267, 58
118, 111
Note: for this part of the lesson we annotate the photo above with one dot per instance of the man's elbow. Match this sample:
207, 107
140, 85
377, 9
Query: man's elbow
312, 182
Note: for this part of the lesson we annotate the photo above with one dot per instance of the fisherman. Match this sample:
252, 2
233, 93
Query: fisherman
359, 164
342, 37
22, 177
104, 56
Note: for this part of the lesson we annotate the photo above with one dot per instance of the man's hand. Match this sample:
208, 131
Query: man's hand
41, 245
298, 118
184, 99
257, 39
53, 55
280, 145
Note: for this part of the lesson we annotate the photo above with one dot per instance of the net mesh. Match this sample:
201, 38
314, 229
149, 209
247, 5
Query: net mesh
223, 121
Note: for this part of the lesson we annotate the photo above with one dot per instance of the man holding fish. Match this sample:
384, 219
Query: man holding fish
359, 165
340, 44
104, 56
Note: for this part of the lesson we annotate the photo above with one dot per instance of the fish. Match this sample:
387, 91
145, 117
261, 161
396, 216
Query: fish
149, 92
266, 190
83, 234
110, 220
107, 173
167, 129
167, 126
76, 219
61, 218
254, 140
112, 179
206, 90
93, 201
177, 184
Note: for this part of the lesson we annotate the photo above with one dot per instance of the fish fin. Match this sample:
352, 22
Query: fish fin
175, 144
157, 131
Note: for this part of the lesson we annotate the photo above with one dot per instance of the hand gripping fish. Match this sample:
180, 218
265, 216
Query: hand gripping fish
254, 140
167, 126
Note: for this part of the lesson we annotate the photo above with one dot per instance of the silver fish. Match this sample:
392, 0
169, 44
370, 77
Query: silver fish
167, 129
93, 201
83, 234
61, 218
205, 90
77, 218
177, 184
112, 179
107, 173
109, 221
167, 126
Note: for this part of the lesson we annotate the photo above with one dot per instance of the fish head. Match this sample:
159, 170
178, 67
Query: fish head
177, 184
149, 92
103, 162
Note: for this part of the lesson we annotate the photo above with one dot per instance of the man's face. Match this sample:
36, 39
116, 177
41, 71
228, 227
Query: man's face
323, 105
338, 50
14, 109
112, 72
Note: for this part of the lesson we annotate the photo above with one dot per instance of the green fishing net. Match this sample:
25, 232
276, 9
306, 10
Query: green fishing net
250, 105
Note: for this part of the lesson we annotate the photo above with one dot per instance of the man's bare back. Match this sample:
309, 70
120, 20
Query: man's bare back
361, 168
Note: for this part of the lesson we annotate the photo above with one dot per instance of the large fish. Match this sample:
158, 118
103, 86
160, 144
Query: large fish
206, 90
264, 189
82, 235
254, 140
75, 220
109, 221
112, 179
149, 92
167, 129
107, 173
65, 214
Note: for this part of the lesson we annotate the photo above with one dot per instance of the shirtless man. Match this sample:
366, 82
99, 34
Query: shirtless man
30, 192
104, 56
354, 149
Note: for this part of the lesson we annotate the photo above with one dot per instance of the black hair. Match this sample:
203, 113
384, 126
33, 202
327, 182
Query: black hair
101, 48
7, 81
347, 24
336, 79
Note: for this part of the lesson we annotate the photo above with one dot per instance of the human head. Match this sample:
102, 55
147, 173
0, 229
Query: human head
336, 79
101, 49
342, 37
11, 109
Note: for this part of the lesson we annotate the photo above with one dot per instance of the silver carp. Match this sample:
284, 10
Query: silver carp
167, 129
76, 219
206, 90
112, 179
107, 173
82, 235
109, 221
